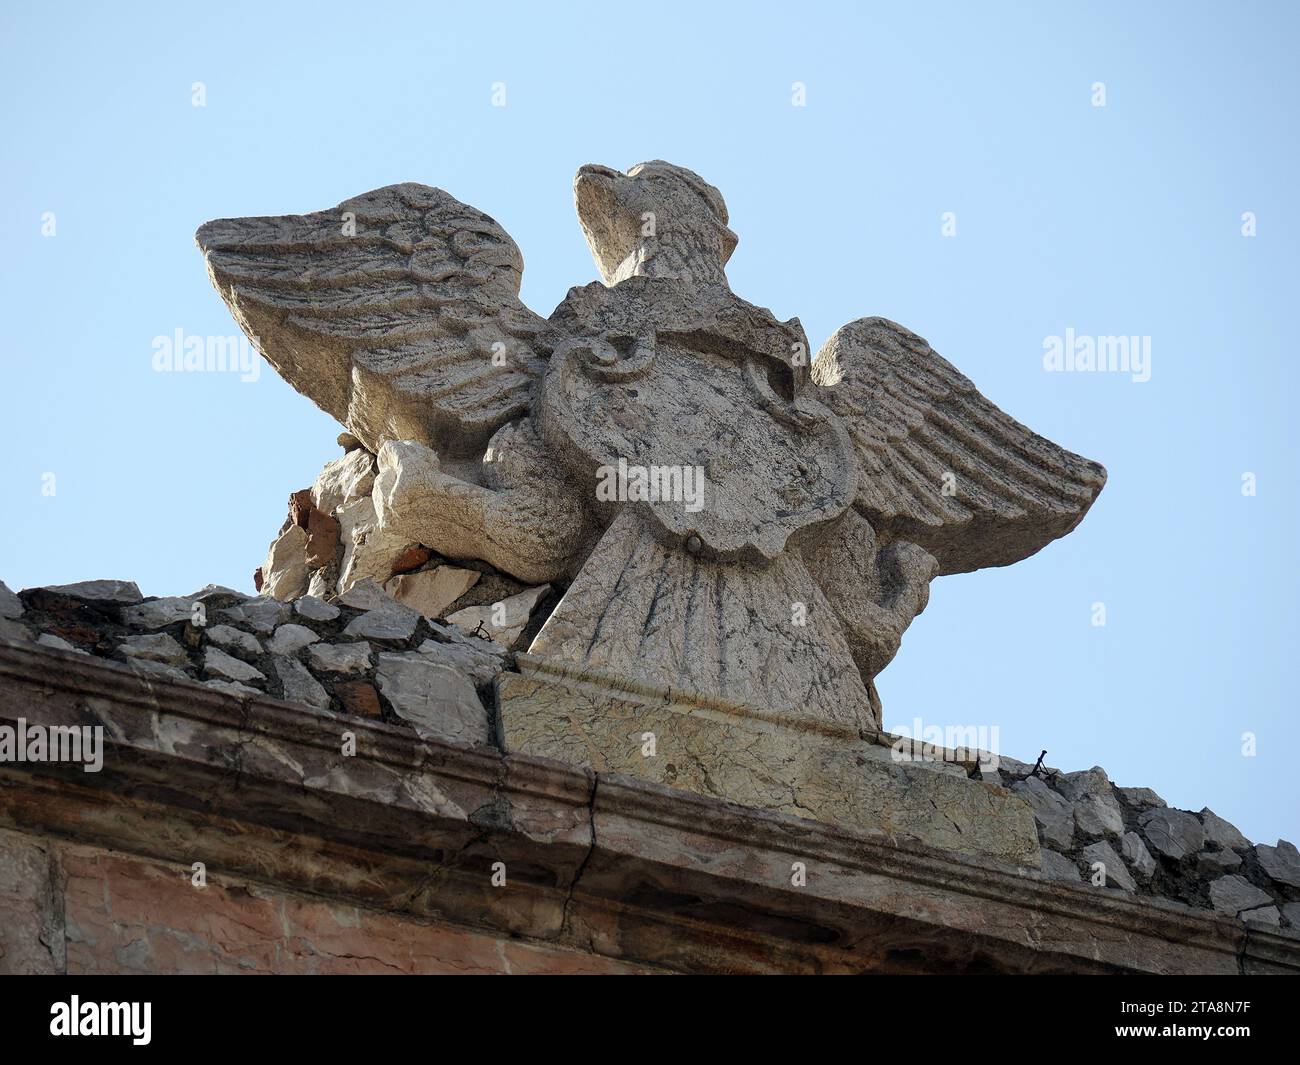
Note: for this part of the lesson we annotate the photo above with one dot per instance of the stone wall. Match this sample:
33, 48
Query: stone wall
367, 657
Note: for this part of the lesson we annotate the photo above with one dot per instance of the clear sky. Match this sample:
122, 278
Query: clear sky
1122, 219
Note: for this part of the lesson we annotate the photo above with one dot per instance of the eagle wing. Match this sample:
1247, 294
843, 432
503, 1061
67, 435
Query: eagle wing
397, 312
943, 467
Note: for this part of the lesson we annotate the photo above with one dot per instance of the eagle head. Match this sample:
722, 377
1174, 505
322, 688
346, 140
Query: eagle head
627, 217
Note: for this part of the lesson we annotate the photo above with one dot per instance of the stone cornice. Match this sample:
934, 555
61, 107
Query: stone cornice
258, 788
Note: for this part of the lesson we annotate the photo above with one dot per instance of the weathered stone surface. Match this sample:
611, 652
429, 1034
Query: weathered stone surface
503, 622
1175, 833
14, 630
106, 591
290, 638
1291, 912
245, 644
224, 667
261, 614
1282, 862
10, 605
1265, 915
392, 621
1095, 810
1052, 813
369, 550
285, 573
436, 699
432, 591
1112, 867
299, 685
343, 480
365, 595
156, 648
1232, 894
158, 613
1140, 797
789, 770
1058, 867
1136, 854
480, 664
1219, 831
340, 657
316, 609
31, 912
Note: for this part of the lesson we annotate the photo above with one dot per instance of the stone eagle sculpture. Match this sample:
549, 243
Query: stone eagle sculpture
731, 518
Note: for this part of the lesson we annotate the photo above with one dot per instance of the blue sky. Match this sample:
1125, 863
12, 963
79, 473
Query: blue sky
1124, 219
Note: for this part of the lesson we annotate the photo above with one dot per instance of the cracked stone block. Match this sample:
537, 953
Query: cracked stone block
1231, 894
344, 479
1175, 833
480, 664
285, 573
1281, 863
437, 700
1140, 797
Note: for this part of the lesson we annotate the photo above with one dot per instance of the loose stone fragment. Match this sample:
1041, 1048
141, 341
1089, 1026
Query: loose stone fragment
391, 622
340, 657
285, 573
343, 480
217, 662
156, 648
1266, 915
1232, 894
504, 621
1217, 862
315, 609
1282, 862
1219, 831
1117, 874
1053, 814
160, 670
159, 613
1140, 797
438, 701
99, 591
299, 685
1136, 854
242, 643
365, 595
1058, 867
261, 614
290, 638
432, 591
